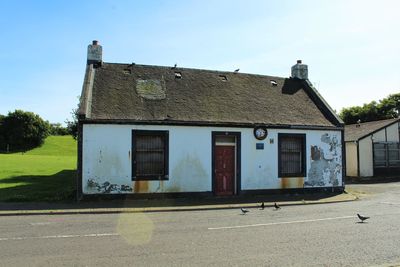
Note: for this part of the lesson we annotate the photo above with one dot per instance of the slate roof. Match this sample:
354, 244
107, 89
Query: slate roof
355, 132
129, 92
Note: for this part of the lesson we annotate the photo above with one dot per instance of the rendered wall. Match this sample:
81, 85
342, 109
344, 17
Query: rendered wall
388, 134
366, 156
106, 161
351, 159
379, 136
392, 133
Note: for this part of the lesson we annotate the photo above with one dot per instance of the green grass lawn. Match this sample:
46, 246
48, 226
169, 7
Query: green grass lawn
46, 173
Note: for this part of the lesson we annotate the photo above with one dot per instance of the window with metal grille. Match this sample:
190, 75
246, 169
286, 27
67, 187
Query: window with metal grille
386, 154
394, 154
292, 155
150, 155
380, 155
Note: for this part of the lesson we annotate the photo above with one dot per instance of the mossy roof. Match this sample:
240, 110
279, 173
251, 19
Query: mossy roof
155, 94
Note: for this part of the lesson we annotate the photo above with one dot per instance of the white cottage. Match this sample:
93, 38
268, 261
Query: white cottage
373, 148
171, 130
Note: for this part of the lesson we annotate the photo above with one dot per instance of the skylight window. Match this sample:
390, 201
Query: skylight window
178, 75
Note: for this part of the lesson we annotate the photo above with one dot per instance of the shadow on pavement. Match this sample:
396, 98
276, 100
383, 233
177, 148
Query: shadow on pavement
372, 180
129, 202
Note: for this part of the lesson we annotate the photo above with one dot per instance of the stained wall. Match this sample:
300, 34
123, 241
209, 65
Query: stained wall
107, 160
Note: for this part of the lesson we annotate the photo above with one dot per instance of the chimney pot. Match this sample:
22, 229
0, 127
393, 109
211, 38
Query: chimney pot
300, 71
95, 54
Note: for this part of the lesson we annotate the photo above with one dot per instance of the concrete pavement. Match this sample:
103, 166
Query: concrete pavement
164, 205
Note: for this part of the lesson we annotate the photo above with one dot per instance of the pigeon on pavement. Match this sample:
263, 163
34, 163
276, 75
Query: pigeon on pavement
276, 206
362, 218
262, 206
244, 211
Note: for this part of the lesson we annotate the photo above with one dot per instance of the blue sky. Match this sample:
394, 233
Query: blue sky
352, 48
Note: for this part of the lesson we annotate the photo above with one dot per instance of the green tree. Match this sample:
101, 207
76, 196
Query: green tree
24, 130
386, 108
2, 139
58, 129
390, 106
72, 126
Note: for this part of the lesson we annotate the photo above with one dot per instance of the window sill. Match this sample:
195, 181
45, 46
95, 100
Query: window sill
293, 175
150, 178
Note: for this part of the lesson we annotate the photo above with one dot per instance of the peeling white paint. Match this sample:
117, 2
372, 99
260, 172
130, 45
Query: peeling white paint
107, 157
326, 162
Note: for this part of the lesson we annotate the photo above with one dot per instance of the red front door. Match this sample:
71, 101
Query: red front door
224, 170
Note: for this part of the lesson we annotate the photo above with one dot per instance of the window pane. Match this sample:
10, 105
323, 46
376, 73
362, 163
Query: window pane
386, 155
149, 142
379, 155
291, 155
149, 163
394, 154
150, 160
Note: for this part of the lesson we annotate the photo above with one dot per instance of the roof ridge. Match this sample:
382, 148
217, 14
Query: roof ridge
197, 69
372, 122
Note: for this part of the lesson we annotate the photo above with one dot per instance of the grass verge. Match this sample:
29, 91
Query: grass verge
46, 173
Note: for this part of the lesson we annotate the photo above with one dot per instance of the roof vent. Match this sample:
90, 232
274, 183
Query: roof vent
223, 78
127, 71
178, 75
94, 54
300, 71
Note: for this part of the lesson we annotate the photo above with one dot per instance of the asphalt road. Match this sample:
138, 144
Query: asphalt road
305, 235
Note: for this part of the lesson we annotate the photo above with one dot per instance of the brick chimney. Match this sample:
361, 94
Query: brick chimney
300, 71
95, 54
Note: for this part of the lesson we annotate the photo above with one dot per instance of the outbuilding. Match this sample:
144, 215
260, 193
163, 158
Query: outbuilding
372, 148
170, 130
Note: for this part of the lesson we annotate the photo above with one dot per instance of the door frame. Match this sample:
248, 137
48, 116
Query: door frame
237, 177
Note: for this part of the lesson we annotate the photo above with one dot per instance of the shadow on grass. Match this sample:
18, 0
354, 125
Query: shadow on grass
40, 188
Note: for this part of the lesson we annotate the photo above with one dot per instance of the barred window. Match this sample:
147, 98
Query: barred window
291, 155
394, 154
386, 155
380, 155
150, 155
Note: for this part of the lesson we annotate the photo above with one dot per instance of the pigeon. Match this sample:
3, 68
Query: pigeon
237, 70
276, 206
362, 218
244, 211
174, 67
262, 206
